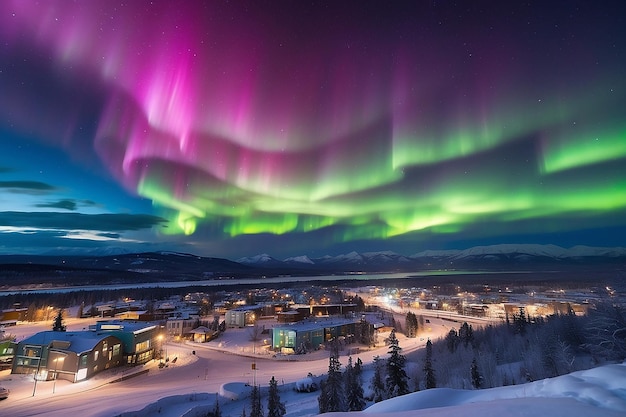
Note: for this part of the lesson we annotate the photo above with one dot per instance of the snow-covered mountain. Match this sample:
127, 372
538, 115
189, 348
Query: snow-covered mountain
259, 260
478, 256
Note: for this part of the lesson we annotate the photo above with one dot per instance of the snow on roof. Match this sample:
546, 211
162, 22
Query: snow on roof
79, 341
124, 325
201, 330
318, 324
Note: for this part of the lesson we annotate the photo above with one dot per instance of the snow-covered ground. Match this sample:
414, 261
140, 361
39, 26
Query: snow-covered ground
221, 370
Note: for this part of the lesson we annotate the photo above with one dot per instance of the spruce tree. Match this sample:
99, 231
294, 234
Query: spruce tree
255, 403
429, 372
396, 381
354, 389
466, 333
452, 340
275, 408
411, 325
477, 379
58, 325
332, 397
217, 412
377, 383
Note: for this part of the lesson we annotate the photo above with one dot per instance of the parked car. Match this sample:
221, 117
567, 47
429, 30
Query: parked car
4, 393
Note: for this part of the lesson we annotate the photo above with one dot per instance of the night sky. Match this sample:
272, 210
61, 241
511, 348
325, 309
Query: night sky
290, 127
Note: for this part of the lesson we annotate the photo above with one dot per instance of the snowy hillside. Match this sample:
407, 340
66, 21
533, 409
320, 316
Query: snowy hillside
595, 392
598, 392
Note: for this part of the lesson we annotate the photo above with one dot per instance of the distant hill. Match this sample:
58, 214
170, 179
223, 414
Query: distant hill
172, 266
137, 267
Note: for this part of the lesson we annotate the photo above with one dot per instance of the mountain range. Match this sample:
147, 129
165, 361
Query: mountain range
487, 257
161, 266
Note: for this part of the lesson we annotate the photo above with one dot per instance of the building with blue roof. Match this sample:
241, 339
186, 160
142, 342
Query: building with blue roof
78, 355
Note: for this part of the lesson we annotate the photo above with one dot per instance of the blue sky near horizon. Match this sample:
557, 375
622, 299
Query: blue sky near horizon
232, 129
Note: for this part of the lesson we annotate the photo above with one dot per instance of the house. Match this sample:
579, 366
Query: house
72, 356
202, 334
243, 316
180, 328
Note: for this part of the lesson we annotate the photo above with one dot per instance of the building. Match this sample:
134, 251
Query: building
312, 334
78, 355
242, 316
11, 316
140, 340
7, 352
72, 356
180, 328
202, 334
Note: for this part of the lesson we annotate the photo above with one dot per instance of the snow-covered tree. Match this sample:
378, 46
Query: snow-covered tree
354, 389
429, 372
332, 396
256, 409
466, 333
217, 412
452, 340
275, 408
477, 379
411, 325
377, 383
396, 381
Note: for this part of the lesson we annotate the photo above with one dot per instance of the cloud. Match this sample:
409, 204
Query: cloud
116, 222
27, 187
62, 204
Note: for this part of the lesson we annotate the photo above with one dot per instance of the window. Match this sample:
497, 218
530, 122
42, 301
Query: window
116, 349
142, 346
95, 355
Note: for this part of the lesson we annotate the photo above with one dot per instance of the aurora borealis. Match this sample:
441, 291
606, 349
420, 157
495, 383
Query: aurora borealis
235, 128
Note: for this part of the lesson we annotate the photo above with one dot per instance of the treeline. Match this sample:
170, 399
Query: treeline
523, 349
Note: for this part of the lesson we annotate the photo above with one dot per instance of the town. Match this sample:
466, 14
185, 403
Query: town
282, 321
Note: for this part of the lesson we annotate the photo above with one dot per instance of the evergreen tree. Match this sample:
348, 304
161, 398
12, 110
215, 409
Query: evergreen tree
58, 325
358, 367
217, 412
477, 379
332, 396
365, 333
411, 325
397, 380
275, 408
429, 372
452, 340
466, 333
519, 321
354, 389
255, 403
377, 383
